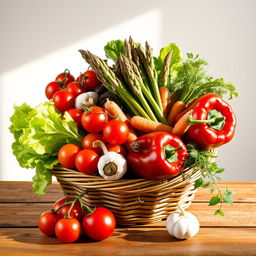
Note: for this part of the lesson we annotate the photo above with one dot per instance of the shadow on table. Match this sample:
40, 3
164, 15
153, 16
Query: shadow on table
36, 237
154, 236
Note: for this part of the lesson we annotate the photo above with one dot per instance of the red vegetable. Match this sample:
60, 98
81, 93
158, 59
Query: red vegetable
94, 119
67, 155
65, 78
99, 224
63, 100
213, 122
88, 80
157, 155
76, 115
86, 161
116, 132
52, 88
75, 88
47, 222
75, 212
68, 230
87, 141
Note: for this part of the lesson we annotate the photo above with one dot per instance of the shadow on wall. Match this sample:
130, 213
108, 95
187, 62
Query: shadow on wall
38, 28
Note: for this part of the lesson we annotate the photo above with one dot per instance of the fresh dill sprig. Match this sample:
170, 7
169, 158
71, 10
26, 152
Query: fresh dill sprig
192, 81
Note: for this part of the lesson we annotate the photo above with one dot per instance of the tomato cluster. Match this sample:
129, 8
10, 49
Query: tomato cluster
66, 88
69, 219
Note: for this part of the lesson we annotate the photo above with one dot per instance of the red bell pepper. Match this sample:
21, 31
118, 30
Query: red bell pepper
157, 155
213, 122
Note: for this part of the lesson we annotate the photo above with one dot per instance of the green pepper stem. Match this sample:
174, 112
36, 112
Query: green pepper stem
192, 121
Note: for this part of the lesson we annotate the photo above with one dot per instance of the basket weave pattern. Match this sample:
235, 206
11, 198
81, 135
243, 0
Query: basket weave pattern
133, 201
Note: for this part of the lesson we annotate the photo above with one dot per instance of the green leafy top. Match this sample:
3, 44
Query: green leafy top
113, 49
176, 58
192, 81
39, 133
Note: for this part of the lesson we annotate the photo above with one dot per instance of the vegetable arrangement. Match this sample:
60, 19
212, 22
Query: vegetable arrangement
143, 116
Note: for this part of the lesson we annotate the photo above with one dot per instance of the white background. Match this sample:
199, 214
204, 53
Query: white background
39, 39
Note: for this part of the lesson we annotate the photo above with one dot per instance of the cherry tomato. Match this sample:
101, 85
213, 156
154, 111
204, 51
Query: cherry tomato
86, 161
76, 115
119, 149
75, 88
68, 230
64, 100
89, 80
116, 132
100, 224
76, 211
87, 141
47, 222
67, 155
65, 77
94, 119
51, 88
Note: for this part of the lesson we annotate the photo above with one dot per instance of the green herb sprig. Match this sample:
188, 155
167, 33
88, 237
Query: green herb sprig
203, 161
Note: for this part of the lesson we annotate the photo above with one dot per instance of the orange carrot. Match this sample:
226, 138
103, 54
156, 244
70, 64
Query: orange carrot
177, 107
146, 125
114, 110
182, 125
188, 108
165, 98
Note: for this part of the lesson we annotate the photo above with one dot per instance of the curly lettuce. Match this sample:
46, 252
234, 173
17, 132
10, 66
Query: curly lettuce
39, 133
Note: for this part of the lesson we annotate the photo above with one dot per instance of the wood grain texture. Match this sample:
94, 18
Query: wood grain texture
133, 241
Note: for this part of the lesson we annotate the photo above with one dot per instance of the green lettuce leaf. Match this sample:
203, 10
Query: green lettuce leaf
113, 49
175, 60
39, 134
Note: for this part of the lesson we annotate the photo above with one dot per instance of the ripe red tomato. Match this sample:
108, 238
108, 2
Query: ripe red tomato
89, 80
116, 132
94, 119
75, 88
64, 100
76, 115
86, 161
51, 88
68, 230
65, 77
88, 140
47, 222
119, 149
100, 224
76, 211
67, 155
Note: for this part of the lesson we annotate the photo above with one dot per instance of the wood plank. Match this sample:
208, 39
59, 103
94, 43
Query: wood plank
13, 191
245, 192
133, 241
240, 214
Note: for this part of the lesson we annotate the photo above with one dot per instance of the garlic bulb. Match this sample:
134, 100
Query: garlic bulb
182, 224
86, 100
111, 166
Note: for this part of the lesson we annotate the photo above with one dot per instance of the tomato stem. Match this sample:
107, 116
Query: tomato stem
64, 204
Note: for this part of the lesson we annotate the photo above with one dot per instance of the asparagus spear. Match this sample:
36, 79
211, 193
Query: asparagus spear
113, 84
163, 81
132, 80
132, 76
148, 63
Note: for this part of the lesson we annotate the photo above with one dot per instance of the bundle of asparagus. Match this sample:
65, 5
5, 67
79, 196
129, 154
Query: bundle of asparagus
134, 79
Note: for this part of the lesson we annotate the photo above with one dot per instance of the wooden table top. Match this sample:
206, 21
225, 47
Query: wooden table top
234, 234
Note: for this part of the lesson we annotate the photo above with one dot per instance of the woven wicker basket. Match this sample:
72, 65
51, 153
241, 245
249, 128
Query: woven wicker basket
133, 201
